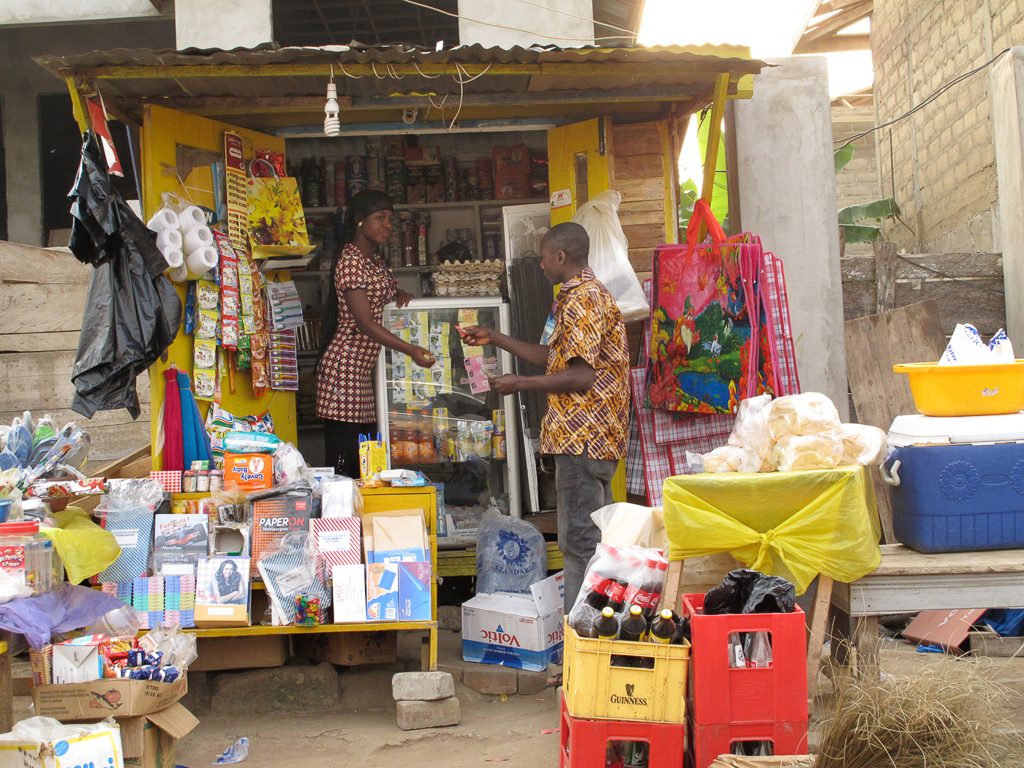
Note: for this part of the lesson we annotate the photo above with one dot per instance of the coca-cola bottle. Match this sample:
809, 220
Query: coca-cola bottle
594, 594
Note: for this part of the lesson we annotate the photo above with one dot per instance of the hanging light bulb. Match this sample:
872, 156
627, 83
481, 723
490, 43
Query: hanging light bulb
332, 125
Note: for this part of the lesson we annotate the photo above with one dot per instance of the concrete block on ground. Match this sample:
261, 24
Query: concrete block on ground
422, 686
531, 683
491, 679
455, 670
365, 689
414, 715
288, 689
200, 688
449, 617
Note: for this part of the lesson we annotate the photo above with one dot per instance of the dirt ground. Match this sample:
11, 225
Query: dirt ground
512, 731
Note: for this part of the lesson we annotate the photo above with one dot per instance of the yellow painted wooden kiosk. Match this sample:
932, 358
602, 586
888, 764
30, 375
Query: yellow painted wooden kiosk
608, 118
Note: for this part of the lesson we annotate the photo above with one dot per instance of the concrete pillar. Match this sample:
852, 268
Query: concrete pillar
787, 188
1006, 95
236, 24
507, 23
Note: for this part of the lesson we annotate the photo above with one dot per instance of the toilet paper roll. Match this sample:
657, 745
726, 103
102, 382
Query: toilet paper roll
190, 218
201, 260
164, 219
174, 256
178, 274
169, 240
198, 238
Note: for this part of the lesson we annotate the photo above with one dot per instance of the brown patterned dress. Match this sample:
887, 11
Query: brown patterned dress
344, 386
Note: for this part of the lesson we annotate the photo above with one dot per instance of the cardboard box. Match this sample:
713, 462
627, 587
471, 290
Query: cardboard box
255, 652
337, 540
106, 698
414, 592
148, 741
349, 597
35, 744
350, 649
520, 631
382, 592
369, 545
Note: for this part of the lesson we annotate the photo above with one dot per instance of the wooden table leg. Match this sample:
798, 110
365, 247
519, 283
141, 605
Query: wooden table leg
428, 650
673, 582
6, 685
866, 641
816, 638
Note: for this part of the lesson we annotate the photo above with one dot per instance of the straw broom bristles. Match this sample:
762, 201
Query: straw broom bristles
948, 715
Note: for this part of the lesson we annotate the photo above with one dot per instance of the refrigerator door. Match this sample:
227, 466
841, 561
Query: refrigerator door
445, 421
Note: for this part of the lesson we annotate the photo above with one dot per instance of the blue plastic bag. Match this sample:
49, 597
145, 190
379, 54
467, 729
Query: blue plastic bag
69, 607
510, 555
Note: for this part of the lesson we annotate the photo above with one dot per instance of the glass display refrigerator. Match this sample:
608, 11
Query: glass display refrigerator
445, 421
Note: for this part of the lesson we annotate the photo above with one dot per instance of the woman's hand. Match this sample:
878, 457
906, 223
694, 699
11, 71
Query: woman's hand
402, 298
476, 335
422, 357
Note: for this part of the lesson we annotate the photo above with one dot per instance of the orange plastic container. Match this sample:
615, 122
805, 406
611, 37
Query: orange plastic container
965, 390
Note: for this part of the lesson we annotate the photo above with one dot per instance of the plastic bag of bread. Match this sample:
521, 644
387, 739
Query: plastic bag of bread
863, 444
810, 413
796, 452
750, 432
728, 458
627, 525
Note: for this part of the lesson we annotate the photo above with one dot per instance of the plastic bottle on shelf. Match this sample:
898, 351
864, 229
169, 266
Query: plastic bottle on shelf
120, 622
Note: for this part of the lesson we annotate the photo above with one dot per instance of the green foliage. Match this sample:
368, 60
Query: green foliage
689, 189
842, 156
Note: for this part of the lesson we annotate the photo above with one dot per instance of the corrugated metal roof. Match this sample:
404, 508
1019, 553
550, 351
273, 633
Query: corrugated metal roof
540, 81
701, 57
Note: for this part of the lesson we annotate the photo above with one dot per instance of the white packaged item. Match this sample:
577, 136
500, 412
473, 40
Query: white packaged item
916, 429
862, 444
751, 433
349, 584
627, 525
965, 347
190, 217
800, 452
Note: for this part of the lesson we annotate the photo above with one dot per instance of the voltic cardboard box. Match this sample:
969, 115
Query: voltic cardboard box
255, 652
149, 741
99, 699
41, 743
520, 631
350, 649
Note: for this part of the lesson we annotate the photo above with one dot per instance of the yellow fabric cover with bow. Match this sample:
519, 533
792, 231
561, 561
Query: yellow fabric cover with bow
789, 524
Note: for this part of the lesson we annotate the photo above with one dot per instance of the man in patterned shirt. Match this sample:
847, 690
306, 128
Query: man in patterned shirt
586, 364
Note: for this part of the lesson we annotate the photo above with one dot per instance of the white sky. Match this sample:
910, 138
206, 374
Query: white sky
770, 27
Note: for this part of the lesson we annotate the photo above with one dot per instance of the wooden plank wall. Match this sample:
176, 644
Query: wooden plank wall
967, 287
42, 297
641, 169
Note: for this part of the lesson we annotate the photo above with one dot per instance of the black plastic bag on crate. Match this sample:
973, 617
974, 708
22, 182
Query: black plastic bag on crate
748, 591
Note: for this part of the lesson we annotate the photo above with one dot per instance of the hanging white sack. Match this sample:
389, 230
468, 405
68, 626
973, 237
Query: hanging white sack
609, 254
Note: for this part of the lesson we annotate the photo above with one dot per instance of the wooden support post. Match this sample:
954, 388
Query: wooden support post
714, 138
817, 636
6, 685
673, 581
77, 108
885, 276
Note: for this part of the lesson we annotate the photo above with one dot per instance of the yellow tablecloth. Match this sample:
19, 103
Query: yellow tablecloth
790, 524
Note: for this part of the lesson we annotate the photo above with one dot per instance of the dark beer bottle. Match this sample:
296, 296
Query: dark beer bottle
663, 628
607, 626
634, 626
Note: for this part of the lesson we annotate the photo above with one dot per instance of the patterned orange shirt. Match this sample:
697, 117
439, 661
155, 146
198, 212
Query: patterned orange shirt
588, 325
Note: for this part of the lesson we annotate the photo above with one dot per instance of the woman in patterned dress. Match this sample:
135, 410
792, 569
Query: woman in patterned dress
353, 333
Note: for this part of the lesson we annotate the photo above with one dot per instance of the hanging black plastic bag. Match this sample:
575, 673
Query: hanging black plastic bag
132, 312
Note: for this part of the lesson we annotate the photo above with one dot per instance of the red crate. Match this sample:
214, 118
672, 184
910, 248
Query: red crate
584, 743
720, 694
708, 742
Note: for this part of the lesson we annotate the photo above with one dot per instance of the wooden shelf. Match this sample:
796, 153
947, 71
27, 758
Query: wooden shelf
321, 210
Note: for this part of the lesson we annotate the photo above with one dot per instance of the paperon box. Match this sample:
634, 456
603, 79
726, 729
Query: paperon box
275, 516
39, 743
519, 631
382, 592
349, 598
414, 592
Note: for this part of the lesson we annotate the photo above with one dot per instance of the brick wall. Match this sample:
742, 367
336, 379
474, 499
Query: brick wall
943, 159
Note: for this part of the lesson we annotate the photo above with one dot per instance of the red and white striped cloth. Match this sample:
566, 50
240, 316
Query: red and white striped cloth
776, 299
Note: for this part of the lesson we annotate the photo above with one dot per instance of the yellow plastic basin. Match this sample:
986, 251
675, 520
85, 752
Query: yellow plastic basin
965, 390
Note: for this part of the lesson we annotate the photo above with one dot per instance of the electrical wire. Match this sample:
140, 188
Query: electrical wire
924, 103
973, 283
632, 32
514, 29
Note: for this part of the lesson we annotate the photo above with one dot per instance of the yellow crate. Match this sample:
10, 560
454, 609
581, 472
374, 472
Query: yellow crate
594, 688
965, 390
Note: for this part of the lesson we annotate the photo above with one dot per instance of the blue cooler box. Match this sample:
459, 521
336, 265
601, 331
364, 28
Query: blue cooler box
957, 484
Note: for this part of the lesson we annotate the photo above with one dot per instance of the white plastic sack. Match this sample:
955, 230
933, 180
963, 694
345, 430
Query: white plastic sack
510, 555
628, 525
11, 588
609, 254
